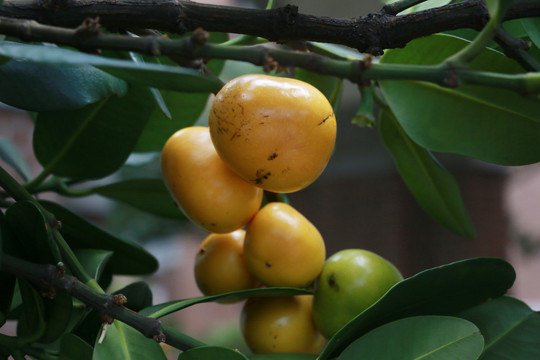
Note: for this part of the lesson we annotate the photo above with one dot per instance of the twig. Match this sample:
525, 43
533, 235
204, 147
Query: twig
372, 33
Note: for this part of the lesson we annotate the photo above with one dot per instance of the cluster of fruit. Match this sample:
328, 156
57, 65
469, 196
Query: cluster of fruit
273, 134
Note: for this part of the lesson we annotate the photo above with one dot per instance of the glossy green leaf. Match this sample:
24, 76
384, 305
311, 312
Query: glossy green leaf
490, 124
28, 227
121, 341
94, 261
11, 155
73, 347
419, 338
167, 308
57, 316
532, 27
7, 281
510, 329
185, 109
211, 353
283, 357
94, 141
147, 74
128, 258
330, 86
138, 294
335, 51
434, 188
444, 290
150, 195
32, 321
47, 87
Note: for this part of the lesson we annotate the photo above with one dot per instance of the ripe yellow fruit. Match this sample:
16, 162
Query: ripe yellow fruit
220, 266
202, 185
277, 133
281, 325
283, 248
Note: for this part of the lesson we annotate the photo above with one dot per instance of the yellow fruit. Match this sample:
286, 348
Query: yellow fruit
203, 187
276, 133
220, 266
282, 248
280, 325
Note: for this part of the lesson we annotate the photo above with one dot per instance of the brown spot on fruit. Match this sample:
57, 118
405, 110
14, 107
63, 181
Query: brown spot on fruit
273, 156
332, 282
267, 264
326, 118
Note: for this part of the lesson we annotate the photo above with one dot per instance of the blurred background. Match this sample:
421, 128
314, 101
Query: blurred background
359, 202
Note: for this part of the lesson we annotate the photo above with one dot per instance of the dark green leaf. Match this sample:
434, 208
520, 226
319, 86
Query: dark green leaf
7, 281
335, 51
160, 310
434, 188
532, 27
419, 338
154, 75
211, 353
28, 227
444, 290
94, 141
73, 347
490, 124
93, 261
47, 87
57, 316
330, 86
510, 329
283, 357
149, 195
121, 341
13, 157
32, 321
128, 257
185, 109
138, 294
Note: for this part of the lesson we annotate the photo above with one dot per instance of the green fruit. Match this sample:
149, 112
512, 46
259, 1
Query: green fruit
351, 281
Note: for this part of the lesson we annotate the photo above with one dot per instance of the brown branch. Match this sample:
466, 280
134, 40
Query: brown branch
371, 33
49, 278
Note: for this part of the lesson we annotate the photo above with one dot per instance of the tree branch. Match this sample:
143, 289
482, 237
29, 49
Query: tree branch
49, 279
372, 33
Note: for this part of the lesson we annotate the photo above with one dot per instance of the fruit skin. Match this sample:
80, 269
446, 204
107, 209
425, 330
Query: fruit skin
281, 325
220, 266
351, 281
203, 187
277, 133
282, 248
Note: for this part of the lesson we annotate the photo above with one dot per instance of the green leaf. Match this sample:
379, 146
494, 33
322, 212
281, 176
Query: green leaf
510, 329
128, 258
330, 86
57, 316
419, 338
29, 229
444, 290
121, 341
94, 141
185, 109
167, 308
149, 195
73, 347
47, 87
32, 321
532, 27
434, 188
283, 357
211, 353
147, 74
13, 157
498, 7
138, 294
93, 261
335, 51
490, 124
7, 281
